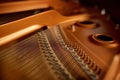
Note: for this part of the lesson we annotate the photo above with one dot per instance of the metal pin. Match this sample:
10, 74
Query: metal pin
73, 28
103, 12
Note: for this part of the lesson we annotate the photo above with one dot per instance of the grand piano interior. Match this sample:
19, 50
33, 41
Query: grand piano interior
59, 40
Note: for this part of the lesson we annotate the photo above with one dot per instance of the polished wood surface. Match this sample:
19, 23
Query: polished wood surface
84, 46
17, 6
10, 7
39, 19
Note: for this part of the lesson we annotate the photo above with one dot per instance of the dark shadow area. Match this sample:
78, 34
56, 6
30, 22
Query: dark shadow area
111, 6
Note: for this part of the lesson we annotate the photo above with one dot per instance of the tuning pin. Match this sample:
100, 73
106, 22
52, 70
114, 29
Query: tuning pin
76, 47
67, 43
91, 64
86, 60
83, 55
73, 28
98, 71
94, 68
80, 52
103, 11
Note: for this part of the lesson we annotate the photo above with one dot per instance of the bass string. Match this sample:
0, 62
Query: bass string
51, 58
74, 54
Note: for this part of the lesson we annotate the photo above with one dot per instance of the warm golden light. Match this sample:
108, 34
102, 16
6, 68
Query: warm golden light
18, 34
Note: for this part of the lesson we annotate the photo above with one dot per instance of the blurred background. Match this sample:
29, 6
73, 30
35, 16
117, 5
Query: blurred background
110, 6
